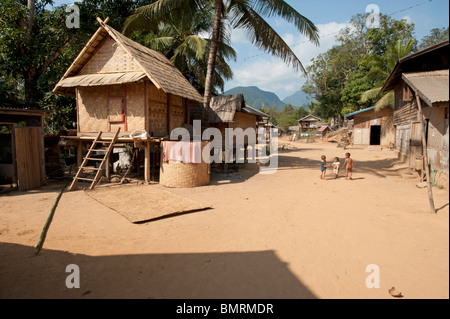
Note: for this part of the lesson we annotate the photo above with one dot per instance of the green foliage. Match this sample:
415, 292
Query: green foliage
179, 38
436, 36
289, 116
360, 62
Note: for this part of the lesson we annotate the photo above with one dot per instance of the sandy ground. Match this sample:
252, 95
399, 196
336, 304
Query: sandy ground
286, 235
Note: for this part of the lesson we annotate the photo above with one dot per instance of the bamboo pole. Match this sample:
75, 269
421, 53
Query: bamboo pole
49, 220
425, 155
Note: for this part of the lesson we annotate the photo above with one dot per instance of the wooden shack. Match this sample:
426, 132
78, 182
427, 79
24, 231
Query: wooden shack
119, 83
423, 76
22, 159
373, 127
308, 122
231, 112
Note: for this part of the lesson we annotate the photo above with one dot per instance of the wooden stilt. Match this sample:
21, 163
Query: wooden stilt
147, 162
425, 156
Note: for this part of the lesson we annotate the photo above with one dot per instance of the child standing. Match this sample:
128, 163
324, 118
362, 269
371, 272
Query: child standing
336, 167
349, 165
323, 167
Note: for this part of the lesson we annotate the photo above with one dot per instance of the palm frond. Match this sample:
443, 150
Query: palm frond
385, 100
282, 9
263, 36
370, 94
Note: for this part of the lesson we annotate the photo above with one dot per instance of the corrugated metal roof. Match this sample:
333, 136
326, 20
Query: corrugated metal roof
324, 127
362, 111
101, 79
432, 87
310, 115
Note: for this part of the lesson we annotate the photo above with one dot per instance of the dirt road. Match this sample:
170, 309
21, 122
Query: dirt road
286, 235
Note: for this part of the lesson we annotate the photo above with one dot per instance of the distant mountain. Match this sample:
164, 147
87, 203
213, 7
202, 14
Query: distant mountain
256, 97
297, 99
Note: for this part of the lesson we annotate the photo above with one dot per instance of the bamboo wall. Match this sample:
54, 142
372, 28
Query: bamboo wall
110, 58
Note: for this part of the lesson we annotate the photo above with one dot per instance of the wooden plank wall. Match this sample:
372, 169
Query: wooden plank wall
28, 157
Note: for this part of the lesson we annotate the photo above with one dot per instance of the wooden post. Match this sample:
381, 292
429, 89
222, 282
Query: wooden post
425, 155
79, 153
147, 162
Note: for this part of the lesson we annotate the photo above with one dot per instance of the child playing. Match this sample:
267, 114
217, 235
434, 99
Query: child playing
323, 167
349, 165
336, 167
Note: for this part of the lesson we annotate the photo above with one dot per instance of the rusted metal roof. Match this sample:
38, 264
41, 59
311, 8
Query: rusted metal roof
324, 128
432, 87
309, 118
409, 63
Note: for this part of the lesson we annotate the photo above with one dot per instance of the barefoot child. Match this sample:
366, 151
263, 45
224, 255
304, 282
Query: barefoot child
323, 167
349, 165
336, 167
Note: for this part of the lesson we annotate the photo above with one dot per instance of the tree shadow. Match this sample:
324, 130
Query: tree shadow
221, 275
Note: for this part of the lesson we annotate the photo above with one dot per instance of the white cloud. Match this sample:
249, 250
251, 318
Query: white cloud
272, 74
408, 19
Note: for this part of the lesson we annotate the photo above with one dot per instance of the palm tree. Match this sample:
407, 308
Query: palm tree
380, 70
245, 14
179, 38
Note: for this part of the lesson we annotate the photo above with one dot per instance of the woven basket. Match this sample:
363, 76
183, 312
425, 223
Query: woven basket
183, 175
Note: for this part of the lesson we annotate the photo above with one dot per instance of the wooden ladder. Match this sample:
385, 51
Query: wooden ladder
87, 158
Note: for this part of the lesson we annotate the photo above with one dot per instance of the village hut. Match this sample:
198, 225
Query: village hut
120, 84
308, 122
373, 127
420, 82
324, 130
231, 112
22, 153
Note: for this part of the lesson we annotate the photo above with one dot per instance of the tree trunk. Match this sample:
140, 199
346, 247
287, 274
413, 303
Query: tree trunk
212, 59
30, 89
31, 5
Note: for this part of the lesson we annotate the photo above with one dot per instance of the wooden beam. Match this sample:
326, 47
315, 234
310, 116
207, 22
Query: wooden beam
168, 114
425, 155
147, 162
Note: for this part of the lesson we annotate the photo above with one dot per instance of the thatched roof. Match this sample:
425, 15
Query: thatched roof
150, 64
224, 107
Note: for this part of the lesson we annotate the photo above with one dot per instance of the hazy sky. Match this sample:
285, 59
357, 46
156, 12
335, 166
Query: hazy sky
254, 68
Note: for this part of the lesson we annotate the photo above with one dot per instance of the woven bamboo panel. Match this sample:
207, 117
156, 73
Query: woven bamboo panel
177, 112
135, 106
157, 110
184, 175
92, 113
110, 58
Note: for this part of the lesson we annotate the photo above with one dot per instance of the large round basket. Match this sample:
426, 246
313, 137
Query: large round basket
178, 174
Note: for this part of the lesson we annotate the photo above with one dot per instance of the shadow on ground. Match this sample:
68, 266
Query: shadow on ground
257, 274
380, 168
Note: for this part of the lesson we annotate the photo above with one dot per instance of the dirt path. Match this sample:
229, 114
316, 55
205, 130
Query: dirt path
287, 235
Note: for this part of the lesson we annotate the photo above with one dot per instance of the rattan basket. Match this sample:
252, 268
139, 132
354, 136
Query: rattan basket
183, 175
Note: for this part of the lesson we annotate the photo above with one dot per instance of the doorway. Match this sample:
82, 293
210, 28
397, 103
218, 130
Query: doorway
375, 135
